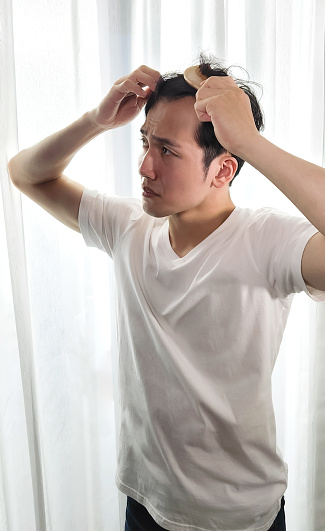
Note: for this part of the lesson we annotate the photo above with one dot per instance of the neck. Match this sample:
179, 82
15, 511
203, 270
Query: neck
188, 229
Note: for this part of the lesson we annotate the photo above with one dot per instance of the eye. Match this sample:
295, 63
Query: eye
165, 151
144, 142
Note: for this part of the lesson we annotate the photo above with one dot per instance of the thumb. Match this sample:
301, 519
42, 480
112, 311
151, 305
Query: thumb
201, 111
141, 101
203, 117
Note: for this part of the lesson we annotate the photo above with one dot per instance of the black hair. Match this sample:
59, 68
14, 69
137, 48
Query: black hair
172, 86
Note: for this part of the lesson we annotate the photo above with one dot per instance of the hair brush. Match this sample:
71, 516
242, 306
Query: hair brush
193, 76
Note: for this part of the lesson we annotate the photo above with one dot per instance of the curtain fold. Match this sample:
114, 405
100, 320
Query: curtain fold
57, 415
58, 357
319, 423
21, 343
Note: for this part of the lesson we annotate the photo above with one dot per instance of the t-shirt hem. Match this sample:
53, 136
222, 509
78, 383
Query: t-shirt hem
173, 526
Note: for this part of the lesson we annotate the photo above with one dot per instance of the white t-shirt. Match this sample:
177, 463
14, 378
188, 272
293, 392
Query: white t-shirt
198, 339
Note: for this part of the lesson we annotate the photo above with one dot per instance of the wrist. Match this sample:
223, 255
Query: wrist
248, 146
92, 117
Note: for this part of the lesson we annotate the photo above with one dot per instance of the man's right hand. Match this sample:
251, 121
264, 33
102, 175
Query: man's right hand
126, 98
38, 170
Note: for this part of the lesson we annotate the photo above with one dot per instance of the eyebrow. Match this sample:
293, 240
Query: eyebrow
161, 140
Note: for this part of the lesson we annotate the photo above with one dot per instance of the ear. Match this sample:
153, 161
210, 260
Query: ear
223, 170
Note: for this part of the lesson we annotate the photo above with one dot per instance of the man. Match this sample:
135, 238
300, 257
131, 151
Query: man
204, 291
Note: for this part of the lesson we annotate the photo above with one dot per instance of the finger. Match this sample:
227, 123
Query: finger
134, 84
147, 91
154, 74
205, 92
222, 80
219, 82
202, 110
127, 88
142, 101
145, 76
144, 80
204, 117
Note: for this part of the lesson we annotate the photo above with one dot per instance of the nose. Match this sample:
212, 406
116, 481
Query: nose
147, 166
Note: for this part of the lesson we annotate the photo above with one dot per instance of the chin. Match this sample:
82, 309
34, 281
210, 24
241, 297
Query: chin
151, 211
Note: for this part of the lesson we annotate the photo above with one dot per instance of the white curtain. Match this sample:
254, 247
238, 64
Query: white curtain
58, 359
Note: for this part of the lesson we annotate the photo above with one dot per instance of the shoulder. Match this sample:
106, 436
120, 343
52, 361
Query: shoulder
269, 219
103, 210
273, 234
95, 200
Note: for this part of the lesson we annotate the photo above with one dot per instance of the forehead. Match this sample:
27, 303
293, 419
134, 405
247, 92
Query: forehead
173, 118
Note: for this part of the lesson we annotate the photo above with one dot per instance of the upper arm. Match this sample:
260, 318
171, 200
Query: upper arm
313, 262
60, 197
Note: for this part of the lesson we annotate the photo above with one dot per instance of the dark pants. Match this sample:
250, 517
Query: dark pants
138, 518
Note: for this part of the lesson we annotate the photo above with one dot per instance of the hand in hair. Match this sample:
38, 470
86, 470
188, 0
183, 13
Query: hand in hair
219, 100
126, 98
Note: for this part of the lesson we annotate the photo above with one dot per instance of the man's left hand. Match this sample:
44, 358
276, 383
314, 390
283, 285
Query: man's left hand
219, 100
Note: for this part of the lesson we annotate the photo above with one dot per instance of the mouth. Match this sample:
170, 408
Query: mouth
148, 192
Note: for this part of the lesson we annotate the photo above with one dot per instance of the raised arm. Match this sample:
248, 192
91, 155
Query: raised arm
221, 101
38, 170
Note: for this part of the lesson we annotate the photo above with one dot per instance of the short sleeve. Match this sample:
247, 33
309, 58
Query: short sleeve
278, 241
104, 219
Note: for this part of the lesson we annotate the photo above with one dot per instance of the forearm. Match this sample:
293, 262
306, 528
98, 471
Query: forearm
47, 160
301, 181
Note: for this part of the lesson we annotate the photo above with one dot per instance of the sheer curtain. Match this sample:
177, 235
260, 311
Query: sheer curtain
58, 359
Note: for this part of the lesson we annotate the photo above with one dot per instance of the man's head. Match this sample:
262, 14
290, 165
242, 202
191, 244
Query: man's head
174, 181
173, 87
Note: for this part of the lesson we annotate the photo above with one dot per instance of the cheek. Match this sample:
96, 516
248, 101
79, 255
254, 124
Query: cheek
182, 187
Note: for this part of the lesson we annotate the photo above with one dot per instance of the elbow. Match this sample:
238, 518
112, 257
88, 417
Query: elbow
12, 169
15, 170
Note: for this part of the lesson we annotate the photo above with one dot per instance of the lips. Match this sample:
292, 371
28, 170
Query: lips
149, 191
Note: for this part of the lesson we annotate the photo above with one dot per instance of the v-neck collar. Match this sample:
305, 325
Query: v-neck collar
219, 230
